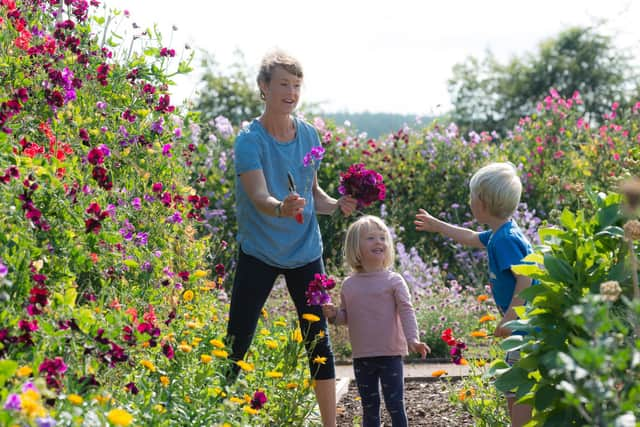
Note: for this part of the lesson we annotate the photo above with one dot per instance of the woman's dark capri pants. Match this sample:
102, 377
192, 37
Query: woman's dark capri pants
253, 282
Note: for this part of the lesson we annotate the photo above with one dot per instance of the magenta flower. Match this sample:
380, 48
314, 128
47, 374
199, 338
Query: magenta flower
362, 184
317, 290
259, 399
316, 154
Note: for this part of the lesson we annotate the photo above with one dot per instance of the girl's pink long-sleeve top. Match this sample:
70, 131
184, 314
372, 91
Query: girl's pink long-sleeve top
378, 311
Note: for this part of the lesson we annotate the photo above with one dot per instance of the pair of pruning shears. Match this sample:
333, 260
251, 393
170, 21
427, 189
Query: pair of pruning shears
292, 190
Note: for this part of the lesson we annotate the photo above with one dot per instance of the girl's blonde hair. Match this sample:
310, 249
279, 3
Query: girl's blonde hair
351, 249
498, 186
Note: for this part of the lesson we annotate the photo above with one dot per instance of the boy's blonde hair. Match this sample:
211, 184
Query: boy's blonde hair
498, 186
351, 250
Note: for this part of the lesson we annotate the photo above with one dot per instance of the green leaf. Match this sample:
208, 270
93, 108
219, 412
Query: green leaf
529, 270
7, 368
608, 215
511, 379
568, 219
545, 397
611, 231
70, 296
535, 257
514, 342
130, 263
559, 269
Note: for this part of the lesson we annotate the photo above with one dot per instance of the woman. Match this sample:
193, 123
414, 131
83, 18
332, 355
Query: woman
278, 232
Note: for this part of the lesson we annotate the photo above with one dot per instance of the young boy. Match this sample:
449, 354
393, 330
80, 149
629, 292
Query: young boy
495, 194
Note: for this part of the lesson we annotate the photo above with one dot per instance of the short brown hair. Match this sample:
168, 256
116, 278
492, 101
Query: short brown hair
278, 58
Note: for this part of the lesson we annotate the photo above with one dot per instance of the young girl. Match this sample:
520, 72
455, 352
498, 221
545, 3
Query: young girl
376, 306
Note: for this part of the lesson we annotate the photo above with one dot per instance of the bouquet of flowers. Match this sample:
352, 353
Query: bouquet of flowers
362, 184
317, 290
457, 347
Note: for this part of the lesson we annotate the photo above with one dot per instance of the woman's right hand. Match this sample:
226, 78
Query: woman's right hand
292, 206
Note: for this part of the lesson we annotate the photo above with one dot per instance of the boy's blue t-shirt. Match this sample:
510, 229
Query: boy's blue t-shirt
280, 242
507, 246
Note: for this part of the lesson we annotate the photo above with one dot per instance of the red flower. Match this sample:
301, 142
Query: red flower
362, 184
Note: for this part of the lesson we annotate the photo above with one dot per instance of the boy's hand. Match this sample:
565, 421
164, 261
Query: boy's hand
330, 311
419, 347
425, 222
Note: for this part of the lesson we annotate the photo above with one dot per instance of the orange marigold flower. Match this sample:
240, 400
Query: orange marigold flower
466, 393
482, 298
439, 373
487, 318
479, 334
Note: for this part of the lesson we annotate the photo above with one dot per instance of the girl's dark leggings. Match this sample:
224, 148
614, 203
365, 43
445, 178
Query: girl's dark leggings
253, 282
385, 371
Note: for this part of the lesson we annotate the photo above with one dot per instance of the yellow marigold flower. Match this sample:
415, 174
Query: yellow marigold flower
482, 298
24, 371
149, 365
320, 360
439, 373
479, 334
321, 334
236, 400
220, 353
264, 331
291, 386
196, 341
265, 313
310, 317
464, 361
102, 400
217, 391
192, 325
187, 399
159, 409
199, 274
249, 410
466, 393
185, 347
480, 363
274, 374
120, 417
280, 323
205, 358
188, 295
297, 335
216, 343
164, 380
245, 366
75, 399
247, 398
271, 344
487, 318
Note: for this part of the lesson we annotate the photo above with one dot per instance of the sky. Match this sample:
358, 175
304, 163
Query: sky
377, 56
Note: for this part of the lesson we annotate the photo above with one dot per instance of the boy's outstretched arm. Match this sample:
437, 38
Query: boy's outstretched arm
426, 222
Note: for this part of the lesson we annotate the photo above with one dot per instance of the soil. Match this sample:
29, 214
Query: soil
426, 401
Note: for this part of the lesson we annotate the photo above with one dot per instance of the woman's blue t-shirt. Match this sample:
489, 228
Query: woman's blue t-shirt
280, 242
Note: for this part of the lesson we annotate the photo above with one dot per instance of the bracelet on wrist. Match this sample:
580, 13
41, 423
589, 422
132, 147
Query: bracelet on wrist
278, 209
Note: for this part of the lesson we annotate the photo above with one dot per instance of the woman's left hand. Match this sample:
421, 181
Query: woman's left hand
347, 204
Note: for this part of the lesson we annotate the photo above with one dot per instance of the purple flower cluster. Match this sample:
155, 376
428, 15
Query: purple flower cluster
362, 184
316, 154
317, 290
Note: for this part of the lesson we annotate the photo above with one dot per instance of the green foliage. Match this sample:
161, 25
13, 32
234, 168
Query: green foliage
579, 361
230, 93
489, 95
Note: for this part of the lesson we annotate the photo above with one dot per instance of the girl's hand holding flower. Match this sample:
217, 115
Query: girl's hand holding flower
329, 310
